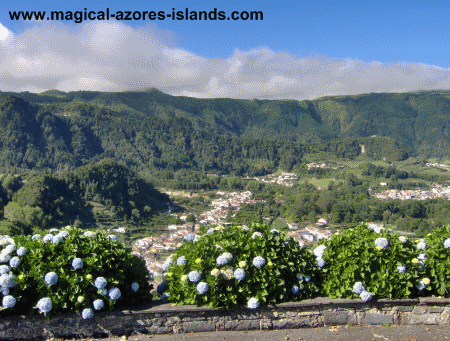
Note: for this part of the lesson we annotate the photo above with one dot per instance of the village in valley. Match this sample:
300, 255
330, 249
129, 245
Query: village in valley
154, 249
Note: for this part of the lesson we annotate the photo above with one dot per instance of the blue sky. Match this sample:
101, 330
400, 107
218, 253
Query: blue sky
388, 41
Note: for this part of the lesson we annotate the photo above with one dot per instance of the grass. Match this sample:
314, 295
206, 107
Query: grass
319, 182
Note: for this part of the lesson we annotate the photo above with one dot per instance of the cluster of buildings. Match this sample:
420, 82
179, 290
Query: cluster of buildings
310, 234
228, 201
320, 165
285, 179
436, 165
434, 193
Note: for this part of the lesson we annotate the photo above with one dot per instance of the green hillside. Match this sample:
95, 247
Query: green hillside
420, 120
102, 190
79, 134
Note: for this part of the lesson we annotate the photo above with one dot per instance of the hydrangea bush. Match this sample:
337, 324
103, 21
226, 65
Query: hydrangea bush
362, 262
437, 260
69, 270
236, 266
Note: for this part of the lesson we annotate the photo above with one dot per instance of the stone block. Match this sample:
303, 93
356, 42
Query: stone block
335, 318
422, 319
404, 308
159, 330
293, 324
419, 310
372, 318
242, 325
435, 309
198, 327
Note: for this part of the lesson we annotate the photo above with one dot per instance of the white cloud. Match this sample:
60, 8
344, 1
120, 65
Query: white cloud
6, 36
111, 56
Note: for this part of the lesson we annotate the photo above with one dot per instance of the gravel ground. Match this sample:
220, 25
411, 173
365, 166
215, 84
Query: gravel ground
329, 333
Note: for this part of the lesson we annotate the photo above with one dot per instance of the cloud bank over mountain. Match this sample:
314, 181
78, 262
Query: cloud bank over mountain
110, 56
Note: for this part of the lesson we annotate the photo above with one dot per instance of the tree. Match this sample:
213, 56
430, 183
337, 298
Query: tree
190, 218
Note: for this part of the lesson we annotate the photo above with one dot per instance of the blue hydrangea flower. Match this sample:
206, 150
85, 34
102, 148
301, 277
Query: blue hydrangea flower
8, 249
47, 238
165, 266
87, 313
421, 245
194, 276
164, 296
4, 291
307, 279
383, 242
63, 234
447, 243
210, 230
14, 262
77, 263
181, 261
366, 296
7, 281
274, 231
4, 269
253, 303
44, 305
98, 304
114, 293
8, 301
295, 290
102, 292
202, 287
36, 236
358, 288
420, 285
401, 268
257, 234
134, 287
57, 239
422, 256
286, 243
51, 278
161, 288
21, 251
189, 237
239, 274
4, 258
222, 260
53, 230
320, 262
259, 261
100, 283
245, 228
421, 266
112, 237
299, 276
227, 255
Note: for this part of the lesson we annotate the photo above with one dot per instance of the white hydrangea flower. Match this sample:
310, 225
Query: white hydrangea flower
421, 246
383, 242
318, 251
366, 296
403, 239
253, 303
447, 243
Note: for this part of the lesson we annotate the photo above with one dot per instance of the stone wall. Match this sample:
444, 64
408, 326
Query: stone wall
159, 318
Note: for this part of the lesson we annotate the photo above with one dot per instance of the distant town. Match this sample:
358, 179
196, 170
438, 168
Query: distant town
437, 192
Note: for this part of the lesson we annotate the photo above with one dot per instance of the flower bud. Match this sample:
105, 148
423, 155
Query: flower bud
80, 299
